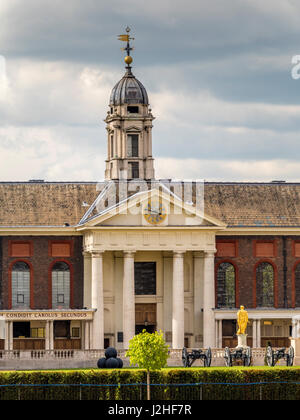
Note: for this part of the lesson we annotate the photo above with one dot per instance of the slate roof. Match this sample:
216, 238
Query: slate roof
236, 204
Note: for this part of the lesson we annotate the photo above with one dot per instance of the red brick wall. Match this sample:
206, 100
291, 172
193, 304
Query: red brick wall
249, 255
40, 262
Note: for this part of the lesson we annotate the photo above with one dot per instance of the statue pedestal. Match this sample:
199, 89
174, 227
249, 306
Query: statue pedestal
242, 340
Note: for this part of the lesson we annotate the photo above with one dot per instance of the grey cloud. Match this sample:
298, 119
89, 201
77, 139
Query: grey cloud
238, 51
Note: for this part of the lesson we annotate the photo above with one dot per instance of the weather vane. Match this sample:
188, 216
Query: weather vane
127, 38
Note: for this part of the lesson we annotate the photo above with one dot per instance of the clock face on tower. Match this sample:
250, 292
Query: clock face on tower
155, 213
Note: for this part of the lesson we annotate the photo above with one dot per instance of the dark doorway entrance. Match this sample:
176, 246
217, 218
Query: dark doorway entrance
145, 317
63, 339
21, 329
149, 328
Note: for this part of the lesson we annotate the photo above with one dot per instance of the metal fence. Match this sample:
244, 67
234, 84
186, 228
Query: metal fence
159, 392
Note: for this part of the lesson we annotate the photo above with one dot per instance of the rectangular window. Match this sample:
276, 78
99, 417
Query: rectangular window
37, 332
20, 298
112, 146
20, 289
133, 145
76, 332
61, 298
145, 278
60, 289
133, 109
134, 170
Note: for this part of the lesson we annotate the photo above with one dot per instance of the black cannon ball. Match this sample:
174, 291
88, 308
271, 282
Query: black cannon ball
112, 363
120, 361
111, 352
102, 363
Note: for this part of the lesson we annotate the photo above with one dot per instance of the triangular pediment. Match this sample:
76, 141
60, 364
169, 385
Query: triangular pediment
156, 207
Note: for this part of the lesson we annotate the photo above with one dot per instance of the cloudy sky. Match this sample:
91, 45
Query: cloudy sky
218, 74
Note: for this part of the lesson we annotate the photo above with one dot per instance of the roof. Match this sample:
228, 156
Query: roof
254, 204
129, 90
44, 204
236, 204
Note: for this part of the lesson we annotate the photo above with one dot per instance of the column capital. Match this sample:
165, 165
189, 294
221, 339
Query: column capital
198, 254
129, 254
209, 254
86, 254
178, 254
97, 254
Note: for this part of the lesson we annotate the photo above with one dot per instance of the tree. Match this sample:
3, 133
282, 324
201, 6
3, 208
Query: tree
148, 351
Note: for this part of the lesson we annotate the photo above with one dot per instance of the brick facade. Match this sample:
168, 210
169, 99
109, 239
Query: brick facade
40, 262
249, 255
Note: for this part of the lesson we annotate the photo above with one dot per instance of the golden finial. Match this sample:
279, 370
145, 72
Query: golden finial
128, 49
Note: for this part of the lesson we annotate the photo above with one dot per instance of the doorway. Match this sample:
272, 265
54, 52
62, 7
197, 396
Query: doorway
149, 328
145, 317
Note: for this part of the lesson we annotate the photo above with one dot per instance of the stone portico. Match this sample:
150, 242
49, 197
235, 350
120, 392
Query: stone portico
185, 284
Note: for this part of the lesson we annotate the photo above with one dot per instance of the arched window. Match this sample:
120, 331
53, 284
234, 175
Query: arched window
265, 285
297, 286
226, 285
61, 286
20, 284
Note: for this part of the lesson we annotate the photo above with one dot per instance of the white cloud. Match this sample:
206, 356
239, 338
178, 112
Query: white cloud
231, 170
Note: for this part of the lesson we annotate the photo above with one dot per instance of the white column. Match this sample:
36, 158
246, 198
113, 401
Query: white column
198, 297
98, 300
220, 334
254, 333
217, 332
119, 269
11, 336
51, 335
7, 338
178, 301
87, 335
258, 333
87, 279
209, 301
47, 335
168, 293
128, 299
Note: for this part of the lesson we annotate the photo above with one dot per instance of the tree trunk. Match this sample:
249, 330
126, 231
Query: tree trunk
148, 386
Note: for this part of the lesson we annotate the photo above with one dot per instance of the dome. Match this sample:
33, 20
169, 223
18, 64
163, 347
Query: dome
129, 90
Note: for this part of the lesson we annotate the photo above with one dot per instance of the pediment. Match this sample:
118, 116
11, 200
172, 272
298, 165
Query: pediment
158, 207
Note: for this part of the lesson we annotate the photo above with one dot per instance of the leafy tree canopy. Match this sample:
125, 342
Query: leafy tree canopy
148, 351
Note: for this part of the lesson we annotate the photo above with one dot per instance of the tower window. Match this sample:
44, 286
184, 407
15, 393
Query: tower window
112, 146
134, 172
133, 109
133, 145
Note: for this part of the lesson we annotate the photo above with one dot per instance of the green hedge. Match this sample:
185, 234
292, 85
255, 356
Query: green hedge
167, 384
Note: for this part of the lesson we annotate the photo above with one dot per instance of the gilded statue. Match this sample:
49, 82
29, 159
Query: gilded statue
242, 319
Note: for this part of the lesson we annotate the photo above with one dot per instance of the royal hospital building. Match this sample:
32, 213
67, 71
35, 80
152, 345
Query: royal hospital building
87, 265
